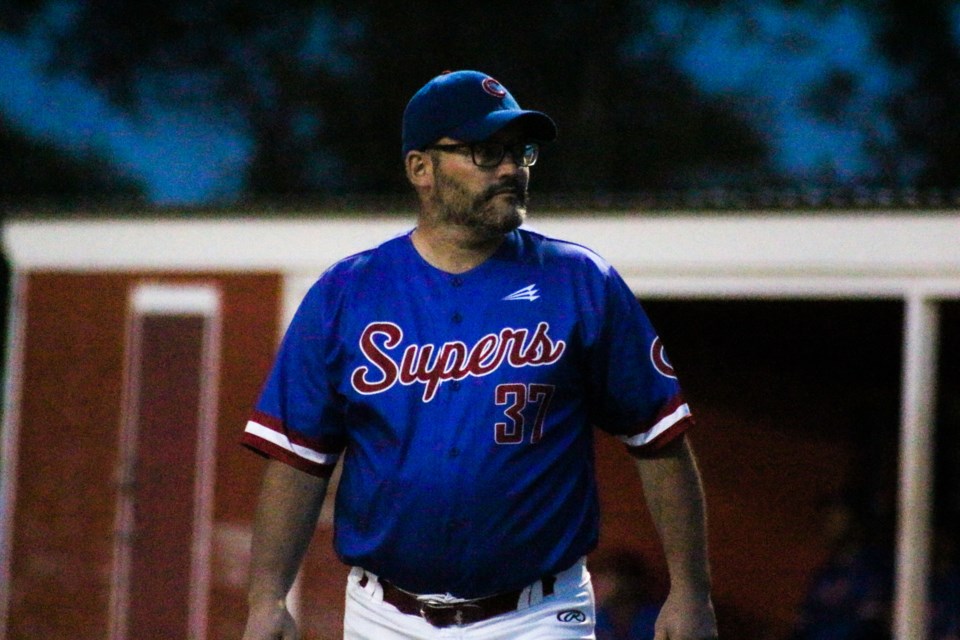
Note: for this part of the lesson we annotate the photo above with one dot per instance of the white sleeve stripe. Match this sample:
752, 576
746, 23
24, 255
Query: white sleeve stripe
665, 423
274, 437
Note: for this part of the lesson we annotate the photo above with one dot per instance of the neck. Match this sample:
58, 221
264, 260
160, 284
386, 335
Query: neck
453, 249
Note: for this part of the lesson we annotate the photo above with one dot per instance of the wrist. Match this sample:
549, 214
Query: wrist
266, 602
692, 596
697, 588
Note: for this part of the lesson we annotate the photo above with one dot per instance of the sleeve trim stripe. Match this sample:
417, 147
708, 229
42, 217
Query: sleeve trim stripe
280, 440
680, 413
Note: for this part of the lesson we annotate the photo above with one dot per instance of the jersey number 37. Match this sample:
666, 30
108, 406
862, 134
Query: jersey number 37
517, 398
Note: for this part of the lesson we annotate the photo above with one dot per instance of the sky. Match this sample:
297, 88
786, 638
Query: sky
771, 54
765, 53
182, 157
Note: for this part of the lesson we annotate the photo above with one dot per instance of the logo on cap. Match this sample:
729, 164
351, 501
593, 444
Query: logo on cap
494, 88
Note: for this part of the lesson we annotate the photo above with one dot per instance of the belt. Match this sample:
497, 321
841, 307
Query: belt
449, 614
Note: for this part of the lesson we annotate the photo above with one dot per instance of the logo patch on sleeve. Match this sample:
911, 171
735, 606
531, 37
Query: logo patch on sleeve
658, 356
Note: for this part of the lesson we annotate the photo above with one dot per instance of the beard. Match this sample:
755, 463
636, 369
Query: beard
494, 211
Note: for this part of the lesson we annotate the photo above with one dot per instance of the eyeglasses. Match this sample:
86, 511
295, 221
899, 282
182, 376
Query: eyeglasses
490, 154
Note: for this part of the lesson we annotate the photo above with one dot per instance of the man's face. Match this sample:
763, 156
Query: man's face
491, 201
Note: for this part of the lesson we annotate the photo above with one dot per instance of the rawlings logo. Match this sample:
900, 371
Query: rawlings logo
572, 615
433, 365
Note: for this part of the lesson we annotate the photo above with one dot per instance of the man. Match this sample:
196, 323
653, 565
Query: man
459, 369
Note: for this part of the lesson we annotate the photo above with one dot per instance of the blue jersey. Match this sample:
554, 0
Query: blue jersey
463, 406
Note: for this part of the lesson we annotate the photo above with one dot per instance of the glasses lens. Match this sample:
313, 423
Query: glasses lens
526, 154
490, 154
487, 154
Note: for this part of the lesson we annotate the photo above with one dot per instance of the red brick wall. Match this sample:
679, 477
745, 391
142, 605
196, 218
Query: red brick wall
62, 543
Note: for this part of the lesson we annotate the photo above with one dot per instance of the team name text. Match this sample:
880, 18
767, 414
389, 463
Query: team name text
432, 365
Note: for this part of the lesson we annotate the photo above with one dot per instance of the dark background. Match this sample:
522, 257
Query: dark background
316, 90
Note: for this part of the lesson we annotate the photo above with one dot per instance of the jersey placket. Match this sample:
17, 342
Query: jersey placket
456, 314
457, 326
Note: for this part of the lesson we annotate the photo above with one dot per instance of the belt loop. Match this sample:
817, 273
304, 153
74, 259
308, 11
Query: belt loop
368, 582
548, 582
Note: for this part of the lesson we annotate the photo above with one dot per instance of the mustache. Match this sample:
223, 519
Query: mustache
511, 185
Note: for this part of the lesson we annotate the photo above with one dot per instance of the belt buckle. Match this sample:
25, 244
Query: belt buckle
439, 614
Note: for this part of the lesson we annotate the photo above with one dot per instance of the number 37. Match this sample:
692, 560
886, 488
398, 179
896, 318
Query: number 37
516, 397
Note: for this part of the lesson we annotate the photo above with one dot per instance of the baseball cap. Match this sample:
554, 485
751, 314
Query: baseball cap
469, 106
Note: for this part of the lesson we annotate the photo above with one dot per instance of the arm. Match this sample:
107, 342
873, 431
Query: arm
671, 484
287, 512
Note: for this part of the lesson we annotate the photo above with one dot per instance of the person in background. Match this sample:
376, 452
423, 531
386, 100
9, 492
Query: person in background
945, 585
849, 594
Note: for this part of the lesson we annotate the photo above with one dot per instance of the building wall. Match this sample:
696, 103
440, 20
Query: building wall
62, 548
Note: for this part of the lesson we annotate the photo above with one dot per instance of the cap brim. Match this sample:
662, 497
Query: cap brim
536, 125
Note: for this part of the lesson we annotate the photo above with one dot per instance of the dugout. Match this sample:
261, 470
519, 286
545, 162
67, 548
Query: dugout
817, 349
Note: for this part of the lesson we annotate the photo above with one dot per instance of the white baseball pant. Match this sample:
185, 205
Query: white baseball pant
566, 614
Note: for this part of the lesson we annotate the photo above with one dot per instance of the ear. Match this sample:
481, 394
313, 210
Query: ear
419, 168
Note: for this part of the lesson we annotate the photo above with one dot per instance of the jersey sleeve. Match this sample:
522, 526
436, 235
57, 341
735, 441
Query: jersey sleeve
298, 417
635, 392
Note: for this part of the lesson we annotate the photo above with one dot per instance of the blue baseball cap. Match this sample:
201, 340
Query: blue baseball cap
469, 106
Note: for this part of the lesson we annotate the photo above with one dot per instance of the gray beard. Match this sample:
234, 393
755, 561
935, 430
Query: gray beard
476, 213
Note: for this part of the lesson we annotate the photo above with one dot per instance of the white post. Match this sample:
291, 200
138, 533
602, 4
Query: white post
916, 468
10, 435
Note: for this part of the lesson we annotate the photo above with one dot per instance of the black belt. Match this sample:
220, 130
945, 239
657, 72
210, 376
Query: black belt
441, 614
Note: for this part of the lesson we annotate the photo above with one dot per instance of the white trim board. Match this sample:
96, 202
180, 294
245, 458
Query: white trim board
649, 245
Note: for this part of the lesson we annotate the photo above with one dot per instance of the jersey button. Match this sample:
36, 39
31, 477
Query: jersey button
454, 452
455, 385
457, 281
456, 318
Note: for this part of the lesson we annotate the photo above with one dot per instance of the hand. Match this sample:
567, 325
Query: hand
271, 622
686, 618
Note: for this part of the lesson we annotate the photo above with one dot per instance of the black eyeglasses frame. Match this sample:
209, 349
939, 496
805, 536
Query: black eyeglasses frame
524, 154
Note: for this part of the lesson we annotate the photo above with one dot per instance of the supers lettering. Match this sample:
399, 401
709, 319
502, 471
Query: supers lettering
432, 365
